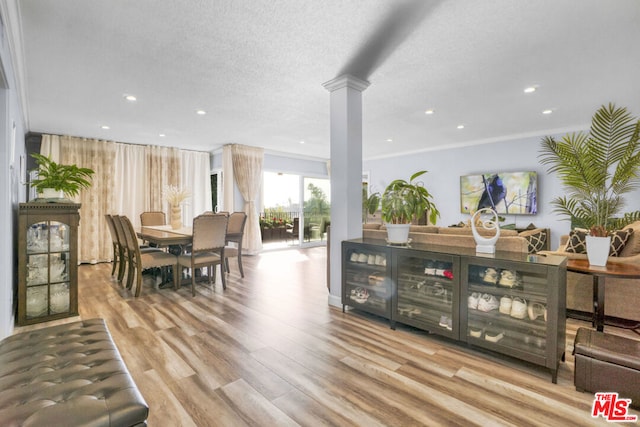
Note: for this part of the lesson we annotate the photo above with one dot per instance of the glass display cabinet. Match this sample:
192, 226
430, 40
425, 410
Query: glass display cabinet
48, 261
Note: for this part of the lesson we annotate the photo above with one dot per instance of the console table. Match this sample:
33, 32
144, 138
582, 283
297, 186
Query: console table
439, 289
599, 274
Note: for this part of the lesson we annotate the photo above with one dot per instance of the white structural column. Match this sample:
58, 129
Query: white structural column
346, 171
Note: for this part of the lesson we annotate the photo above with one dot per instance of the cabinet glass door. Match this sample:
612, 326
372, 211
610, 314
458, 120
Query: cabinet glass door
426, 284
367, 280
507, 307
47, 278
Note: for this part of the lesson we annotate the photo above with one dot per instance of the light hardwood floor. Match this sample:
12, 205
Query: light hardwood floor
270, 351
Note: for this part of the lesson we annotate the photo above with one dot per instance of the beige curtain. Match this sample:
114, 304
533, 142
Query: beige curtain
129, 180
163, 168
247, 170
94, 243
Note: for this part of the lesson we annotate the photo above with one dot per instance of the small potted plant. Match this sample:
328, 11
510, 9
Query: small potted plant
370, 204
596, 169
55, 180
403, 202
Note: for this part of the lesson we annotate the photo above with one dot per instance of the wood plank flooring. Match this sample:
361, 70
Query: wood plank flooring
270, 351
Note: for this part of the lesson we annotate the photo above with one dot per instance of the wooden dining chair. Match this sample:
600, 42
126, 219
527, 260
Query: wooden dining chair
118, 250
125, 255
235, 233
207, 249
141, 260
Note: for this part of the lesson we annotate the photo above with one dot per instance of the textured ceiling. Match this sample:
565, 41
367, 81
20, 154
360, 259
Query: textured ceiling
257, 68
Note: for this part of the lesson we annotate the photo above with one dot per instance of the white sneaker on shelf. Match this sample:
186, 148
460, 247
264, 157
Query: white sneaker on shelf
488, 302
472, 301
505, 305
519, 308
475, 332
493, 336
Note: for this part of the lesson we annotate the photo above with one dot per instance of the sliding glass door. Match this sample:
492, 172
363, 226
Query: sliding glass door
316, 212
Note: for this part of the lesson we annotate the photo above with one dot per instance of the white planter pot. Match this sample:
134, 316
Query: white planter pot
598, 250
50, 193
398, 234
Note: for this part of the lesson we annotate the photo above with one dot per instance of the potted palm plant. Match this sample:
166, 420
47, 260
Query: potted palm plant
55, 180
596, 169
404, 201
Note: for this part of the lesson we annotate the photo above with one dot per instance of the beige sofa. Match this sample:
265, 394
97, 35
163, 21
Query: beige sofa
622, 296
509, 240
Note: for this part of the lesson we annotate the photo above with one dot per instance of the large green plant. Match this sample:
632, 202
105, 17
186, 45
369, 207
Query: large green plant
404, 201
68, 178
596, 169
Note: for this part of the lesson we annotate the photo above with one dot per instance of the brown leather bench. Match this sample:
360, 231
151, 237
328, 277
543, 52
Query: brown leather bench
67, 375
607, 363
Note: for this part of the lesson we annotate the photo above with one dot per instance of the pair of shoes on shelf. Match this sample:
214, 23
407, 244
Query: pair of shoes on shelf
493, 336
359, 295
446, 322
472, 300
510, 279
475, 332
536, 310
490, 276
488, 302
437, 290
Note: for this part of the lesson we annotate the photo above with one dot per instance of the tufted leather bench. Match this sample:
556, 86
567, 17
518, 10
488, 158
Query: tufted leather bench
67, 375
607, 363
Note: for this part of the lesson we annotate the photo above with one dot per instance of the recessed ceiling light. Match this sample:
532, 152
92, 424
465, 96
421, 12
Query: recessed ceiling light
162, 135
460, 126
549, 111
105, 127
130, 98
201, 112
530, 89
301, 142
429, 111
389, 140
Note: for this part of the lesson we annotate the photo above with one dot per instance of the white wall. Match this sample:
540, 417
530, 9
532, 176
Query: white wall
11, 191
446, 166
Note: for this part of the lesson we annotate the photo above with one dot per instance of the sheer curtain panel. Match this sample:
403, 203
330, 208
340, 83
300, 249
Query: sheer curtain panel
247, 170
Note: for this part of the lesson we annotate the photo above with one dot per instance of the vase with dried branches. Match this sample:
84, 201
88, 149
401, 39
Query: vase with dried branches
175, 196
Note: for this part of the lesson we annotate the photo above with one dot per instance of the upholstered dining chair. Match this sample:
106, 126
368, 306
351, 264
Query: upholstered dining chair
207, 248
235, 232
118, 250
139, 260
152, 218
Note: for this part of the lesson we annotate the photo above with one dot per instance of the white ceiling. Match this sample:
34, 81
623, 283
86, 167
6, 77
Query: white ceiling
257, 68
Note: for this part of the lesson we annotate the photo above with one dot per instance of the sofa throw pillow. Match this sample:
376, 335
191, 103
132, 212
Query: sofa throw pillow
577, 242
536, 239
619, 240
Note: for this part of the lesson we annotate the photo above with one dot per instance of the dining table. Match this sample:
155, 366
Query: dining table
166, 235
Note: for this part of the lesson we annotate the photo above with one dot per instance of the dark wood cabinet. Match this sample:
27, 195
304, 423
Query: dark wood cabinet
48, 261
510, 303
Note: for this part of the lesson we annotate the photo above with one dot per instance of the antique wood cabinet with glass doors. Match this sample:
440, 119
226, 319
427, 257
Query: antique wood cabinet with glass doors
508, 303
48, 261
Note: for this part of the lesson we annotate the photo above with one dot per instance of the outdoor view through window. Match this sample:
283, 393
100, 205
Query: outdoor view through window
284, 218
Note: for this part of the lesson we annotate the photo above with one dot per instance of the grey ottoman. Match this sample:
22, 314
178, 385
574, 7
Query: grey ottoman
67, 375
